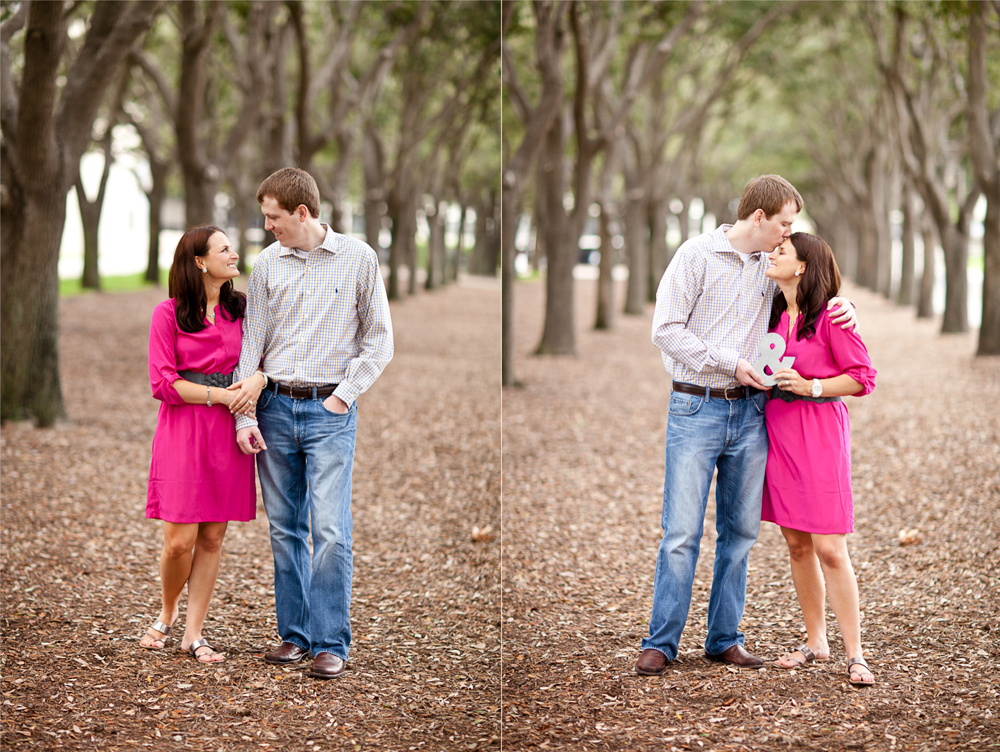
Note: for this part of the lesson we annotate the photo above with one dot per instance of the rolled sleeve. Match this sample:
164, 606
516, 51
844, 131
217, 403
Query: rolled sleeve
852, 358
163, 356
375, 339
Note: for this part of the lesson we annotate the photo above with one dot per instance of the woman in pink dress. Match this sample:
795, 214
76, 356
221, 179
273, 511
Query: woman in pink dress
199, 480
807, 487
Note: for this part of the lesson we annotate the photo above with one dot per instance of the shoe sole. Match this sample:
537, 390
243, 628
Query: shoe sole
717, 659
642, 672
286, 662
326, 676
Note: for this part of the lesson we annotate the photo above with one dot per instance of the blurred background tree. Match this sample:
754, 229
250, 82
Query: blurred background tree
885, 115
393, 106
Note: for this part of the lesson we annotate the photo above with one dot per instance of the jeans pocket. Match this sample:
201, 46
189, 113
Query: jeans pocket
328, 411
264, 399
685, 404
760, 402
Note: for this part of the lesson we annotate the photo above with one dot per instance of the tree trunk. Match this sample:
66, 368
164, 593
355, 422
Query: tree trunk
396, 250
909, 241
559, 334
989, 331
955, 243
53, 128
540, 218
155, 195
882, 236
374, 186
925, 301
983, 149
867, 271
508, 218
410, 214
485, 253
90, 217
605, 282
435, 246
457, 251
637, 247
656, 217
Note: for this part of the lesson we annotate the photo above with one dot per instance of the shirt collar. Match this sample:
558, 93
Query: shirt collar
722, 244
329, 244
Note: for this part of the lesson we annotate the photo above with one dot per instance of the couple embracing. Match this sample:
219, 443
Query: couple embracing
780, 442
274, 375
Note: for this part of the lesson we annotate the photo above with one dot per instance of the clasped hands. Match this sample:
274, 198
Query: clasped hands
250, 440
793, 382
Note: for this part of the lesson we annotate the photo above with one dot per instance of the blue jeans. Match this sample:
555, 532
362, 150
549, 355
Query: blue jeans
305, 475
704, 434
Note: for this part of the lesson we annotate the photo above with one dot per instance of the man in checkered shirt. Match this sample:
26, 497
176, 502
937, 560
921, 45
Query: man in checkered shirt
317, 324
712, 308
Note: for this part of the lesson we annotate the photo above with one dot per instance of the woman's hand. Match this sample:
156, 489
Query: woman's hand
245, 393
789, 380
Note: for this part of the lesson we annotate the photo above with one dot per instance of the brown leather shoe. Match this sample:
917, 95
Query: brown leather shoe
289, 652
651, 663
327, 666
738, 657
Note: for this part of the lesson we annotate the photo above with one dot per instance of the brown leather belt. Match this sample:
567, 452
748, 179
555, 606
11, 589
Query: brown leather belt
306, 392
732, 393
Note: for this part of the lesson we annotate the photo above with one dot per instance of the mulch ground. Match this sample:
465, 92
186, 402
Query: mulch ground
79, 571
582, 482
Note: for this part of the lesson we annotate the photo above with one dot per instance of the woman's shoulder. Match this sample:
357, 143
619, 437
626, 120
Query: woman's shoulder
830, 330
165, 310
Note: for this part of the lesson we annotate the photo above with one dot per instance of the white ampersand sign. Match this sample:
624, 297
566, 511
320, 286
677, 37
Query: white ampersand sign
772, 347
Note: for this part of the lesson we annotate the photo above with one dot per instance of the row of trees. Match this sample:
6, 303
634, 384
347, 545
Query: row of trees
869, 108
396, 103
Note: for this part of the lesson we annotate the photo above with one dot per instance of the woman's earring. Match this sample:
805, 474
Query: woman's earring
204, 270
798, 272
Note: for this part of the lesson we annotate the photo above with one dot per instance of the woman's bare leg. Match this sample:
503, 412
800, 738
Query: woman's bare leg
843, 587
201, 584
810, 588
175, 568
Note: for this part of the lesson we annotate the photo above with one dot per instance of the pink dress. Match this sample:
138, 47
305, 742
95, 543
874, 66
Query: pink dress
198, 473
807, 485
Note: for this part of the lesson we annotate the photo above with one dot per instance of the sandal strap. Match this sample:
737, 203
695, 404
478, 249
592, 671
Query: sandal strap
198, 644
809, 654
857, 661
159, 626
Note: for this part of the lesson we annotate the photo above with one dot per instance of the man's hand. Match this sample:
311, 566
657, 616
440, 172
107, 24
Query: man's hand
335, 404
746, 375
249, 440
846, 316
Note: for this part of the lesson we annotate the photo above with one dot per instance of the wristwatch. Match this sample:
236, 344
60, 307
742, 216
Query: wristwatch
817, 388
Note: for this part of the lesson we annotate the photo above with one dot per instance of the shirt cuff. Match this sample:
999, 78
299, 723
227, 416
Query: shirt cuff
346, 392
728, 360
244, 421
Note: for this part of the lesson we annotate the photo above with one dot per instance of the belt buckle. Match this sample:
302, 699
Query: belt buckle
734, 389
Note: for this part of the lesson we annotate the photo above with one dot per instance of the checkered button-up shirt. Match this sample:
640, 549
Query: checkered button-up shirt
712, 309
318, 317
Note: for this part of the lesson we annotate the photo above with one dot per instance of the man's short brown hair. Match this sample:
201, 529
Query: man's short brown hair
291, 187
770, 193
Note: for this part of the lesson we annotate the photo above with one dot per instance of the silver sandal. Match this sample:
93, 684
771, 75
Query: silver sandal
195, 646
855, 682
810, 656
160, 627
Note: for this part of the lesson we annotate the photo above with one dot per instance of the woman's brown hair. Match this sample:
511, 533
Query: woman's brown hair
820, 282
185, 285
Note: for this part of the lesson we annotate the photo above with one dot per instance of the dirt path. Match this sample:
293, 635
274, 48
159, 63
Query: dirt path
582, 478
79, 571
